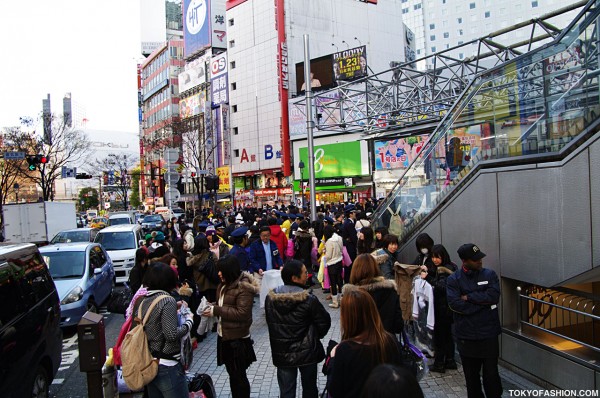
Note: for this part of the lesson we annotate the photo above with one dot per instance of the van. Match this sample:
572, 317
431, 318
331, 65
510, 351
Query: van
118, 219
30, 334
121, 243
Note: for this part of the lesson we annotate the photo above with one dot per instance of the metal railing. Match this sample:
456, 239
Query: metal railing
560, 312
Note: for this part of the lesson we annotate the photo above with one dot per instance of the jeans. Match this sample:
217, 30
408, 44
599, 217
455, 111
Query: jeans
286, 377
492, 384
335, 277
170, 382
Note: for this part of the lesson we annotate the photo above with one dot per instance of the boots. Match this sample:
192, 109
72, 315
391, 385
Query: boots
335, 302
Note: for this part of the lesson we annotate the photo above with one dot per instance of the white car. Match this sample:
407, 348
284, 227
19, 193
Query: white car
121, 242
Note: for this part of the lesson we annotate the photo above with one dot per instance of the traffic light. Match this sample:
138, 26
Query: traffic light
83, 176
31, 161
211, 183
34, 160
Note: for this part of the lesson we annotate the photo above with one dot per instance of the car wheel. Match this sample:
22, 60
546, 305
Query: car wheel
92, 307
41, 383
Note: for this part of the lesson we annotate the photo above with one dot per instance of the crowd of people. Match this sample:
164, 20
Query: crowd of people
215, 268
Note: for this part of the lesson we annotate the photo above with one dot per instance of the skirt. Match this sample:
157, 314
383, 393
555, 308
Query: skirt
239, 353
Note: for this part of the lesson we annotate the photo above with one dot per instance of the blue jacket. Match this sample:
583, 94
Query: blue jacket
242, 255
258, 259
476, 318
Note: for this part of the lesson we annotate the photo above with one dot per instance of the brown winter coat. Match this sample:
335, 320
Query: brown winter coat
197, 262
405, 274
236, 312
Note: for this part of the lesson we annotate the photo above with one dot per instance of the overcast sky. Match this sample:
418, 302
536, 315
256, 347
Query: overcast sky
88, 48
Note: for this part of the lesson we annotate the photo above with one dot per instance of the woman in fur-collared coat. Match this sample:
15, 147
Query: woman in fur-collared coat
367, 276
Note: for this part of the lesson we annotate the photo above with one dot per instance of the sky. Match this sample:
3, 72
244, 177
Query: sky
85, 47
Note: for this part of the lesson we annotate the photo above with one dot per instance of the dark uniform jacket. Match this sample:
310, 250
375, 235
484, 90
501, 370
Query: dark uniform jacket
476, 318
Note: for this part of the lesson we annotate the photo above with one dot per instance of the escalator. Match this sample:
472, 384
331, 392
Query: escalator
514, 167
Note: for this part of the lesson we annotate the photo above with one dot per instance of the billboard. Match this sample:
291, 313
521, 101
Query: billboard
192, 106
217, 21
322, 71
344, 159
224, 179
193, 75
196, 23
399, 153
218, 79
350, 64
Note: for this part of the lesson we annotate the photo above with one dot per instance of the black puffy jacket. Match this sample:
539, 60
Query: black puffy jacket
297, 322
386, 299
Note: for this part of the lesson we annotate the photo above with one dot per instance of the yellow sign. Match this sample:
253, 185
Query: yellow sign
224, 182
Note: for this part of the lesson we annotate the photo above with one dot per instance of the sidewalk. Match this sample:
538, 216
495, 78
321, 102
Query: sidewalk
263, 376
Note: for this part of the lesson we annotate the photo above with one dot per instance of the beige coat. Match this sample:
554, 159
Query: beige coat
405, 274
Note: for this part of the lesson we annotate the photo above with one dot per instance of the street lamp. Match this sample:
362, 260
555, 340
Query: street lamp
16, 188
301, 167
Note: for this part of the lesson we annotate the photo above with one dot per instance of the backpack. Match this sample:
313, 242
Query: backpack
139, 366
202, 382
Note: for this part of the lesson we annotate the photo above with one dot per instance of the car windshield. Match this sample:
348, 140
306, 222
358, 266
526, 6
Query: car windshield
71, 236
118, 220
155, 218
63, 264
116, 240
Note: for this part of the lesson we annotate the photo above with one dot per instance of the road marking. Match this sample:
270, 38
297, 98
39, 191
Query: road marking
70, 341
58, 381
63, 368
69, 357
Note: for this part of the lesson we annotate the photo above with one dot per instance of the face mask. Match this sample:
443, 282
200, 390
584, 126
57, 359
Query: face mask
424, 251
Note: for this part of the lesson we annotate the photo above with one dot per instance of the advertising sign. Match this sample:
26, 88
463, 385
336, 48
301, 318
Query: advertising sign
325, 105
224, 180
192, 106
217, 20
222, 133
343, 159
196, 34
350, 64
218, 79
322, 74
191, 77
397, 154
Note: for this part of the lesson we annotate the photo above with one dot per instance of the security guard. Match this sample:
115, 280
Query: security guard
239, 237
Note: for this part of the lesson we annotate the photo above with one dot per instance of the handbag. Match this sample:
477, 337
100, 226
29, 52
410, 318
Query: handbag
346, 260
412, 358
119, 301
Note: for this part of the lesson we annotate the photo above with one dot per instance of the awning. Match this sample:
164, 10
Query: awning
364, 190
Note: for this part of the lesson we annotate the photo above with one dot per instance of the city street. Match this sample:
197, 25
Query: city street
71, 383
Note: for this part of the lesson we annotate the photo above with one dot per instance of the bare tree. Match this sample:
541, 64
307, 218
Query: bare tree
120, 166
63, 146
9, 169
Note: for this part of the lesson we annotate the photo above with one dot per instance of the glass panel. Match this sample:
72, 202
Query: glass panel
534, 104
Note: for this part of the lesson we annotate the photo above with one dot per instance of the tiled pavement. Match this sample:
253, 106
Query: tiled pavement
263, 376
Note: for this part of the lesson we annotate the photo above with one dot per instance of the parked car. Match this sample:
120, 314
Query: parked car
75, 235
139, 217
84, 277
121, 242
99, 222
30, 334
152, 222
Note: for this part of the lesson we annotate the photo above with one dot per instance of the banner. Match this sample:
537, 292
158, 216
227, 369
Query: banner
193, 75
219, 80
196, 34
224, 180
192, 106
344, 159
350, 64
397, 154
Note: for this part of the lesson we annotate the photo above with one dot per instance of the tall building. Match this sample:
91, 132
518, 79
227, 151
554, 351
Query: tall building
265, 56
160, 20
159, 111
442, 24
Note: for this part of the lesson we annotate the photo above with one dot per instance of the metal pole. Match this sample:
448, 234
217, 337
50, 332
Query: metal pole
309, 131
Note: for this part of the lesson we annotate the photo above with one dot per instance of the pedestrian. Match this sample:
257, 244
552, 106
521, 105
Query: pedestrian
136, 275
277, 235
239, 238
365, 344
216, 245
297, 322
380, 232
350, 238
333, 260
367, 276
235, 295
164, 332
442, 333
388, 256
264, 254
365, 243
473, 295
424, 243
303, 244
